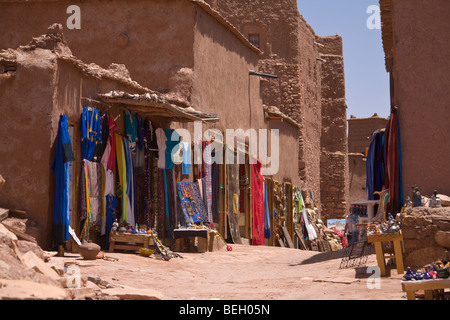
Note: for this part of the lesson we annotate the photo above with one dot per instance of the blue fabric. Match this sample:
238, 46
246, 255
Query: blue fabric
140, 131
186, 158
130, 181
130, 125
267, 233
111, 204
90, 132
60, 167
370, 163
166, 206
172, 145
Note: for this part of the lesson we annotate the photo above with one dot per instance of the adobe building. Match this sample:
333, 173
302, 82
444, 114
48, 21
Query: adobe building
200, 66
360, 132
310, 89
415, 41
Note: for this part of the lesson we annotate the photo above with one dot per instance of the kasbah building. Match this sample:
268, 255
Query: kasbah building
249, 64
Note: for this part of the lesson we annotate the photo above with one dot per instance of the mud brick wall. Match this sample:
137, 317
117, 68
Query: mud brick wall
334, 178
334, 183
426, 235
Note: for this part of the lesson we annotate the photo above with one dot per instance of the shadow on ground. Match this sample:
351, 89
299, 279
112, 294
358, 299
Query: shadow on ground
321, 257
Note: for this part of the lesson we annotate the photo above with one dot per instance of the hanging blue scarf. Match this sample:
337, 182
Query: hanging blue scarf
60, 167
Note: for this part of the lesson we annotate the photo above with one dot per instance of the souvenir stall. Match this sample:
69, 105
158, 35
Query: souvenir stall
127, 176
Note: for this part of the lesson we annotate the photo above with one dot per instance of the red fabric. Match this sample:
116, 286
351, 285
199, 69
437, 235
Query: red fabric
112, 155
257, 204
392, 162
341, 235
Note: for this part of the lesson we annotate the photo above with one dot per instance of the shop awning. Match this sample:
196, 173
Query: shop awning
154, 104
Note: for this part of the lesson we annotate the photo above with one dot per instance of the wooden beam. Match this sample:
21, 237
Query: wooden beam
288, 237
4, 213
20, 234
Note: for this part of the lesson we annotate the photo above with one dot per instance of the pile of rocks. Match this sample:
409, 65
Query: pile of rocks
29, 273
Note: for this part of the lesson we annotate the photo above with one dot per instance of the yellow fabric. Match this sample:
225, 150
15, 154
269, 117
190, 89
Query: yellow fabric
121, 167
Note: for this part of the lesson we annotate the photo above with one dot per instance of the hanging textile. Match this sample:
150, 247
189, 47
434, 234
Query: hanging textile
233, 191
267, 233
192, 203
257, 190
312, 235
140, 132
186, 158
103, 138
154, 189
95, 182
108, 190
90, 132
208, 180
392, 150
121, 172
215, 192
82, 208
161, 140
172, 146
198, 158
161, 205
169, 205
375, 166
60, 167
130, 128
129, 193
109, 156
111, 204
147, 174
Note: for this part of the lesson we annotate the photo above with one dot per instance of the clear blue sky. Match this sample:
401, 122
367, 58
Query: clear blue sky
367, 82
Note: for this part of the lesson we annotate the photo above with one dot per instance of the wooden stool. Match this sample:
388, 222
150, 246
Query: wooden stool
129, 241
396, 238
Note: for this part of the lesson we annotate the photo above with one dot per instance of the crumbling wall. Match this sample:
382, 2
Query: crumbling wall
26, 140
334, 174
426, 235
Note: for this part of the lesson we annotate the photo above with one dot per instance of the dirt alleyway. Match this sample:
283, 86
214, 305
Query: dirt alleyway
246, 273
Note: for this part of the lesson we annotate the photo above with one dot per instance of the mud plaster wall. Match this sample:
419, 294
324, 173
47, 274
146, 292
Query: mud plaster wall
135, 33
334, 160
421, 75
26, 129
360, 132
357, 177
221, 81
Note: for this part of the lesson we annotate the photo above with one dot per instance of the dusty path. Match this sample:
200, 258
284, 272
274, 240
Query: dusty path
245, 273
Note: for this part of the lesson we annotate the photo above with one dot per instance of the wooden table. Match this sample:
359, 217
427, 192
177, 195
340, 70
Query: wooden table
129, 241
396, 239
203, 237
426, 285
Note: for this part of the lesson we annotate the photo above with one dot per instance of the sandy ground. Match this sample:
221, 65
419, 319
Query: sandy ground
245, 273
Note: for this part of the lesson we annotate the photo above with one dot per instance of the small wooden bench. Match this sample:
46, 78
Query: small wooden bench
203, 237
129, 241
428, 286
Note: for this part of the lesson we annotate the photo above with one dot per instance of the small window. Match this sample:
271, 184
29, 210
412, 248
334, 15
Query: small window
253, 38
